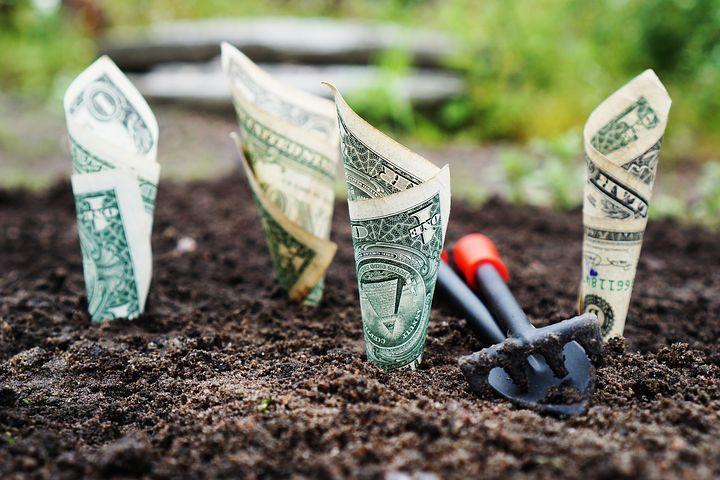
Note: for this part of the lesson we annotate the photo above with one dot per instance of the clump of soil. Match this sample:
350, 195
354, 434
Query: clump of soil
565, 394
223, 377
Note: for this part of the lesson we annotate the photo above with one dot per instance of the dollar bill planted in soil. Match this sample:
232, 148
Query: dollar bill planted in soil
113, 143
288, 143
399, 206
622, 146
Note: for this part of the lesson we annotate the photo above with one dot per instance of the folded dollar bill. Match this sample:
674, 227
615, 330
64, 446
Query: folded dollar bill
622, 146
288, 142
399, 206
113, 143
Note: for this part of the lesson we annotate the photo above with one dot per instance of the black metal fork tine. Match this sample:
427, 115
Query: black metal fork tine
517, 371
472, 368
585, 330
552, 351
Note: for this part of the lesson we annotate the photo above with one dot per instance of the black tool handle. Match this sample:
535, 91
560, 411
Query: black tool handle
469, 305
478, 259
499, 299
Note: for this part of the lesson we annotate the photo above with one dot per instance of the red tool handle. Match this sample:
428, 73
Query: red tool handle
444, 256
474, 250
478, 259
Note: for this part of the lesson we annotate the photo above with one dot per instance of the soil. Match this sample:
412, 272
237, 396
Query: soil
223, 377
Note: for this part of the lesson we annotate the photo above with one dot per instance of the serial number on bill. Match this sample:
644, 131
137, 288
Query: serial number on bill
608, 284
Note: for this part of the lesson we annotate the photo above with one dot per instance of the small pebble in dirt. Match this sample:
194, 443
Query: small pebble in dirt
185, 245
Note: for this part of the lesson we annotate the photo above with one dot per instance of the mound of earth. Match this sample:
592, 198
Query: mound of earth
223, 377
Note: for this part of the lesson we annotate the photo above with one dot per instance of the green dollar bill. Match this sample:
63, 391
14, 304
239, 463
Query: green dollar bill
396, 262
288, 140
113, 144
290, 256
310, 113
115, 250
367, 173
103, 102
399, 205
622, 146
83, 161
300, 257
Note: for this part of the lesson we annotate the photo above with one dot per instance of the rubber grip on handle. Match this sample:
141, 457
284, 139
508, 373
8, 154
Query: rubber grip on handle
474, 250
498, 298
465, 302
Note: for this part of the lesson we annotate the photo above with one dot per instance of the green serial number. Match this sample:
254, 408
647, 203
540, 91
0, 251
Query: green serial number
608, 284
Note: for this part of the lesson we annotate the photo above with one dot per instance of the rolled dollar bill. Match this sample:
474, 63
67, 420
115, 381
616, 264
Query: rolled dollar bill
113, 143
288, 142
399, 205
622, 146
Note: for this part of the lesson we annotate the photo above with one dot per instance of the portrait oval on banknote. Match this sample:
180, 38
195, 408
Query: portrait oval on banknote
396, 260
393, 303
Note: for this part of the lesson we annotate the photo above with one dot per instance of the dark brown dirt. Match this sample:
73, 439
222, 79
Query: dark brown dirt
223, 377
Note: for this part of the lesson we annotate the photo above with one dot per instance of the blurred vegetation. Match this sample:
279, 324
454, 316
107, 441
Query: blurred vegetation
545, 172
36, 49
538, 69
533, 68
382, 104
706, 207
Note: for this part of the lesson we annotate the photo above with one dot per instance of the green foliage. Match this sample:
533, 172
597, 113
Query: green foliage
706, 208
547, 172
517, 167
384, 103
532, 69
264, 405
538, 70
563, 171
134, 12
666, 206
36, 48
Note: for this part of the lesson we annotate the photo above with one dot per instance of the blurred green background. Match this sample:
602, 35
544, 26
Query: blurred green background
534, 69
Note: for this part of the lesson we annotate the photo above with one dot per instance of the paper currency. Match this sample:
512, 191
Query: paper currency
622, 146
289, 147
113, 142
399, 206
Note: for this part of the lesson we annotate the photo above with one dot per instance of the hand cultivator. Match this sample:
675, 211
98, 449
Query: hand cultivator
550, 368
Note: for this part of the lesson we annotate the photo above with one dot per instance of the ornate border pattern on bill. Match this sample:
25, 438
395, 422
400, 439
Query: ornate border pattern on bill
288, 144
113, 143
399, 205
622, 145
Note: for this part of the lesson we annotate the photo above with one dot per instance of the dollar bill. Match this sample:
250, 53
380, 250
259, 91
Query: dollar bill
288, 142
622, 145
113, 144
116, 253
399, 205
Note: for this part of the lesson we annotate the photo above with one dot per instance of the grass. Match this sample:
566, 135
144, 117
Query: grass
38, 50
